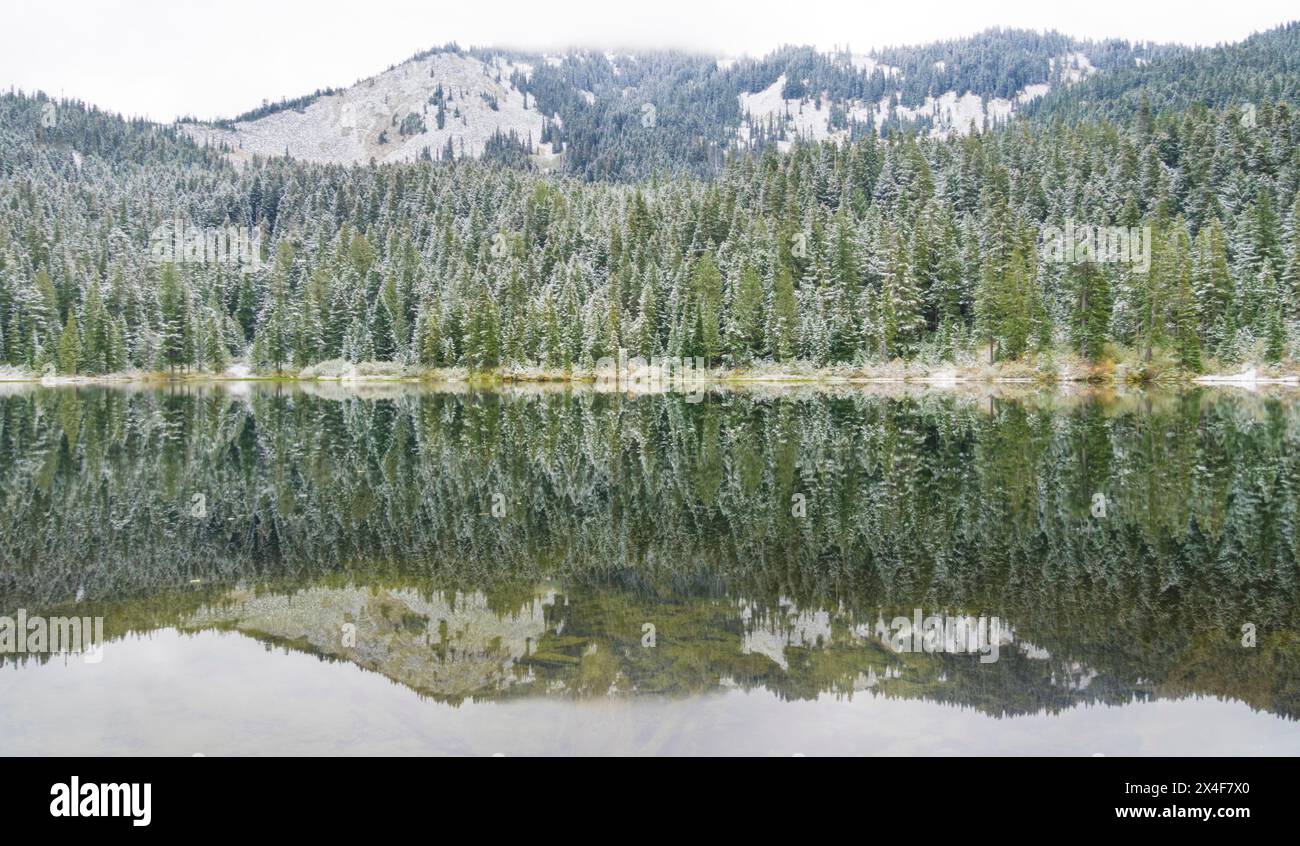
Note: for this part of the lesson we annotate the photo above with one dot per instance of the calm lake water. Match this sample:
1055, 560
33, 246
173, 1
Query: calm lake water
393, 570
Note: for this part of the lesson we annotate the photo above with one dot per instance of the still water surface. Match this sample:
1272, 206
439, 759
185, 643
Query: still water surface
393, 570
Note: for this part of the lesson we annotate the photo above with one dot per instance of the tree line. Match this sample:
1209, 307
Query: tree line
847, 253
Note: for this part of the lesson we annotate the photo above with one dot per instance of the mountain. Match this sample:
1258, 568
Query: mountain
628, 115
437, 105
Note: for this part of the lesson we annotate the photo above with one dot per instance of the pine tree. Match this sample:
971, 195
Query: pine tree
1262, 299
706, 288
990, 298
171, 301
905, 320
274, 339
556, 355
1015, 309
246, 310
70, 346
647, 343
1184, 309
784, 320
394, 304
95, 333
116, 358
1275, 346
430, 337
747, 315
1291, 277
382, 335
1212, 285
1090, 311
482, 343
44, 308
214, 345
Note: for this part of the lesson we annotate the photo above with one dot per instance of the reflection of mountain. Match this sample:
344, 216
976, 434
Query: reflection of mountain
656, 510
446, 646
585, 642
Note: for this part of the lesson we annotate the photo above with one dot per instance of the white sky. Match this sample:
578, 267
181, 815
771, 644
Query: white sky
164, 58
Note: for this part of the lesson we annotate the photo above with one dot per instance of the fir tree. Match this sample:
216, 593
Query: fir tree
1090, 316
784, 320
70, 346
171, 301
706, 286
747, 315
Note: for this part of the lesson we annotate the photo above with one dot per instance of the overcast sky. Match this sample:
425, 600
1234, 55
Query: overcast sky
164, 58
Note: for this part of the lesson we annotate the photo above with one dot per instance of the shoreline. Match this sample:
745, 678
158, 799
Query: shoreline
607, 379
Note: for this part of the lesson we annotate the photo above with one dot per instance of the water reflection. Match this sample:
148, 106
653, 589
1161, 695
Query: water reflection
569, 546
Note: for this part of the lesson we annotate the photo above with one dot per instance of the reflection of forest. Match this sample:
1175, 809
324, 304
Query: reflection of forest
654, 510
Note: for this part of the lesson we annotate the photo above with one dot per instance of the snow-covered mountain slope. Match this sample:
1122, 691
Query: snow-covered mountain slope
627, 115
815, 117
422, 104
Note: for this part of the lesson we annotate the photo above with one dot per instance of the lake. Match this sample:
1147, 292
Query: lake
390, 569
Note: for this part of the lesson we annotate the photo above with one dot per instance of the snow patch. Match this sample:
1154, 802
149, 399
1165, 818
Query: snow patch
772, 634
863, 62
949, 113
808, 118
1073, 67
1033, 92
363, 122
